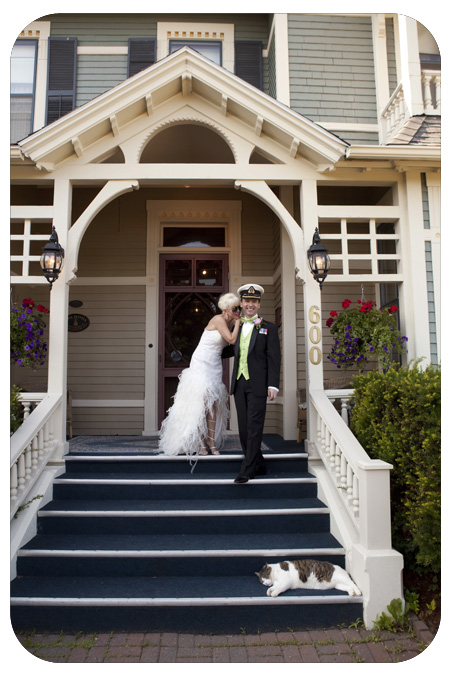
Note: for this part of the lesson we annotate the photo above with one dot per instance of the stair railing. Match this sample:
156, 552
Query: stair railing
32, 447
362, 483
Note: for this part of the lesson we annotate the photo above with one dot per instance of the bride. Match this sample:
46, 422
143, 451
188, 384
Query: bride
197, 420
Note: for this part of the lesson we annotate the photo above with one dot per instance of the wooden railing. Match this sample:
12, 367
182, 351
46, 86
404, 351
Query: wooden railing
32, 445
361, 482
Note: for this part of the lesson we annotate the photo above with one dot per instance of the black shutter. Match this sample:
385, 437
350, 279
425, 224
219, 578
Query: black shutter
62, 63
141, 54
248, 62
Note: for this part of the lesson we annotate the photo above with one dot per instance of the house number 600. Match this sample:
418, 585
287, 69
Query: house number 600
315, 335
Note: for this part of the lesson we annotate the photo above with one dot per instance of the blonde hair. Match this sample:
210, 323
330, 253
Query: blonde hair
228, 300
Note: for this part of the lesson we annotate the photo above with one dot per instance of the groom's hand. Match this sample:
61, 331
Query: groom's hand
272, 394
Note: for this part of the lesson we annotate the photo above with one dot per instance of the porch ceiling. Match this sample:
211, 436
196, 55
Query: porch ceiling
120, 112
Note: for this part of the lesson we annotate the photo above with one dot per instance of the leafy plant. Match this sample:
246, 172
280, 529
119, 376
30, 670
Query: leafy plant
363, 333
397, 618
28, 348
15, 409
396, 418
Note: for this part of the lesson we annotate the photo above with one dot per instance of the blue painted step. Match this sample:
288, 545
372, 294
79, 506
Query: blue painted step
122, 544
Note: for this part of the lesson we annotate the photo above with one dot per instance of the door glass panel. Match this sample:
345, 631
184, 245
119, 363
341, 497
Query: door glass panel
208, 273
190, 237
178, 273
186, 317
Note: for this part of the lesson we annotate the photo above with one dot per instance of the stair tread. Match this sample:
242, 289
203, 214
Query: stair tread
235, 542
155, 477
151, 587
231, 504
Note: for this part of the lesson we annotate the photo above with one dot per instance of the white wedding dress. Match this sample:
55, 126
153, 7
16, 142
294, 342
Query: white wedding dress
200, 387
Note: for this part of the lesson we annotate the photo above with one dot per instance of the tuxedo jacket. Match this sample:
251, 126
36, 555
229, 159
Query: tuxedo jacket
264, 358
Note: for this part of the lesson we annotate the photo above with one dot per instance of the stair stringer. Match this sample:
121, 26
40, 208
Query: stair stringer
378, 573
24, 525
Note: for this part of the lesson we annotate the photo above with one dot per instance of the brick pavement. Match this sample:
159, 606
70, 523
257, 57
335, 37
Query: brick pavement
338, 645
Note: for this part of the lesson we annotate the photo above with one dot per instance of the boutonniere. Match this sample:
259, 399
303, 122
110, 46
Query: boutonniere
259, 323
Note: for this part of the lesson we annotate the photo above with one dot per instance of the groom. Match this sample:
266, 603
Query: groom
256, 378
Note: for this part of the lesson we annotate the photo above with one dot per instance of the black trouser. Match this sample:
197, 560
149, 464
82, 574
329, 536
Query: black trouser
251, 413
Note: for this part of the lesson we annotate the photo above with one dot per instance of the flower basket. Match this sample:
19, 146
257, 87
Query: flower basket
28, 348
364, 333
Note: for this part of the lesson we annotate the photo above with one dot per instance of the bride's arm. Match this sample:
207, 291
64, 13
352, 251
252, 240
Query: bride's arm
220, 324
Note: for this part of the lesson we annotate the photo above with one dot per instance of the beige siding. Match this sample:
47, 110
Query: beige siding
106, 361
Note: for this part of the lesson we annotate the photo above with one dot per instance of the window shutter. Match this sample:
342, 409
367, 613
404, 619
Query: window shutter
141, 54
62, 63
248, 62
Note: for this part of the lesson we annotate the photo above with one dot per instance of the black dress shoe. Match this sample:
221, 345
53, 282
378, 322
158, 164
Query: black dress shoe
241, 479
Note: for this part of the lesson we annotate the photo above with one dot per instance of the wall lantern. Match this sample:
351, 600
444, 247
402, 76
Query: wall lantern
52, 258
318, 259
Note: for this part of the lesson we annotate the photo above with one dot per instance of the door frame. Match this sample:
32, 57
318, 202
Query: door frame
167, 211
163, 371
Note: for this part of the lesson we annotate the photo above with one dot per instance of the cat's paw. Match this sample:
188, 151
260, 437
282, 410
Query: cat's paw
269, 591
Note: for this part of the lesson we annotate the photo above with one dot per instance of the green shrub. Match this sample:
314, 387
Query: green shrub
396, 418
15, 409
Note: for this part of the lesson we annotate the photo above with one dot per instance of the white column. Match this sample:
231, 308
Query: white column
288, 322
410, 75
434, 204
59, 305
282, 58
312, 301
414, 297
381, 66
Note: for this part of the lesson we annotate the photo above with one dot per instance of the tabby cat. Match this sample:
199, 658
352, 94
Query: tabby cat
311, 574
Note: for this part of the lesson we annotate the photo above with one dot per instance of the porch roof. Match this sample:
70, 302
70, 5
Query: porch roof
191, 76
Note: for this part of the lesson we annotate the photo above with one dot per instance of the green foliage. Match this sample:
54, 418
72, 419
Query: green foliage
397, 619
15, 409
364, 333
396, 418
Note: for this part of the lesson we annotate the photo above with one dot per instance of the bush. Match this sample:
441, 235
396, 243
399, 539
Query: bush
16, 409
396, 418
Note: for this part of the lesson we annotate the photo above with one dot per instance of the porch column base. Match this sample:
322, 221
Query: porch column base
378, 574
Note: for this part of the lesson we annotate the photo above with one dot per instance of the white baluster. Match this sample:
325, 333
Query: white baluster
27, 463
355, 500
349, 484
26, 409
41, 443
344, 410
426, 79
21, 472
45, 435
34, 454
14, 482
337, 461
437, 82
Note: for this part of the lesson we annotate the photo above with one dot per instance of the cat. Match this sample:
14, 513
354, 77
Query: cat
311, 574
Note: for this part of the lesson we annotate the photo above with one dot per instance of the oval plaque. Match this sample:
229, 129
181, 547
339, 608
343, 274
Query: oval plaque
78, 322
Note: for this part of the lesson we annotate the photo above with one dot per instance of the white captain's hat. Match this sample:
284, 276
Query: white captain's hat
253, 291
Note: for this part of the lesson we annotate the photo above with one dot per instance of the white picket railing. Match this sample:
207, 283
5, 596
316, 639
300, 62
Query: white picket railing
361, 482
32, 445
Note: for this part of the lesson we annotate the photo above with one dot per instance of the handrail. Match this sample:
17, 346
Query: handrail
32, 446
361, 482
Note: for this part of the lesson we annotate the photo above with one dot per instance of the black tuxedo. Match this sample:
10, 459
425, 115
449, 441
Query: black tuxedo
250, 396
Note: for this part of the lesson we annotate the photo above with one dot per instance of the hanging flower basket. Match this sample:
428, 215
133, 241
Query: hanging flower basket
28, 348
364, 333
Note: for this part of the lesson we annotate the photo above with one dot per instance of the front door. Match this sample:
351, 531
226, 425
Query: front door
190, 286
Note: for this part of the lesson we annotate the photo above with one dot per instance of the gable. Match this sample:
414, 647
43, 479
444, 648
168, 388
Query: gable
182, 88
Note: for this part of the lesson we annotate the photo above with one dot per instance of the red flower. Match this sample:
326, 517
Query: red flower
27, 302
329, 322
393, 309
44, 310
346, 304
333, 313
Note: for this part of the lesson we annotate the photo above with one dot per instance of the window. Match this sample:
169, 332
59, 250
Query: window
23, 76
211, 49
188, 236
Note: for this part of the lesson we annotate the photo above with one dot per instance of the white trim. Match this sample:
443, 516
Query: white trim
187, 602
177, 30
183, 513
107, 403
39, 30
176, 553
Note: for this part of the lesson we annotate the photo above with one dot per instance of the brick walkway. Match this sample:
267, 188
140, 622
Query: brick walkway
343, 645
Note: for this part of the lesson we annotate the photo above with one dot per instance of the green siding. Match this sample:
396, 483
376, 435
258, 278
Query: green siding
332, 68
97, 74
431, 303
